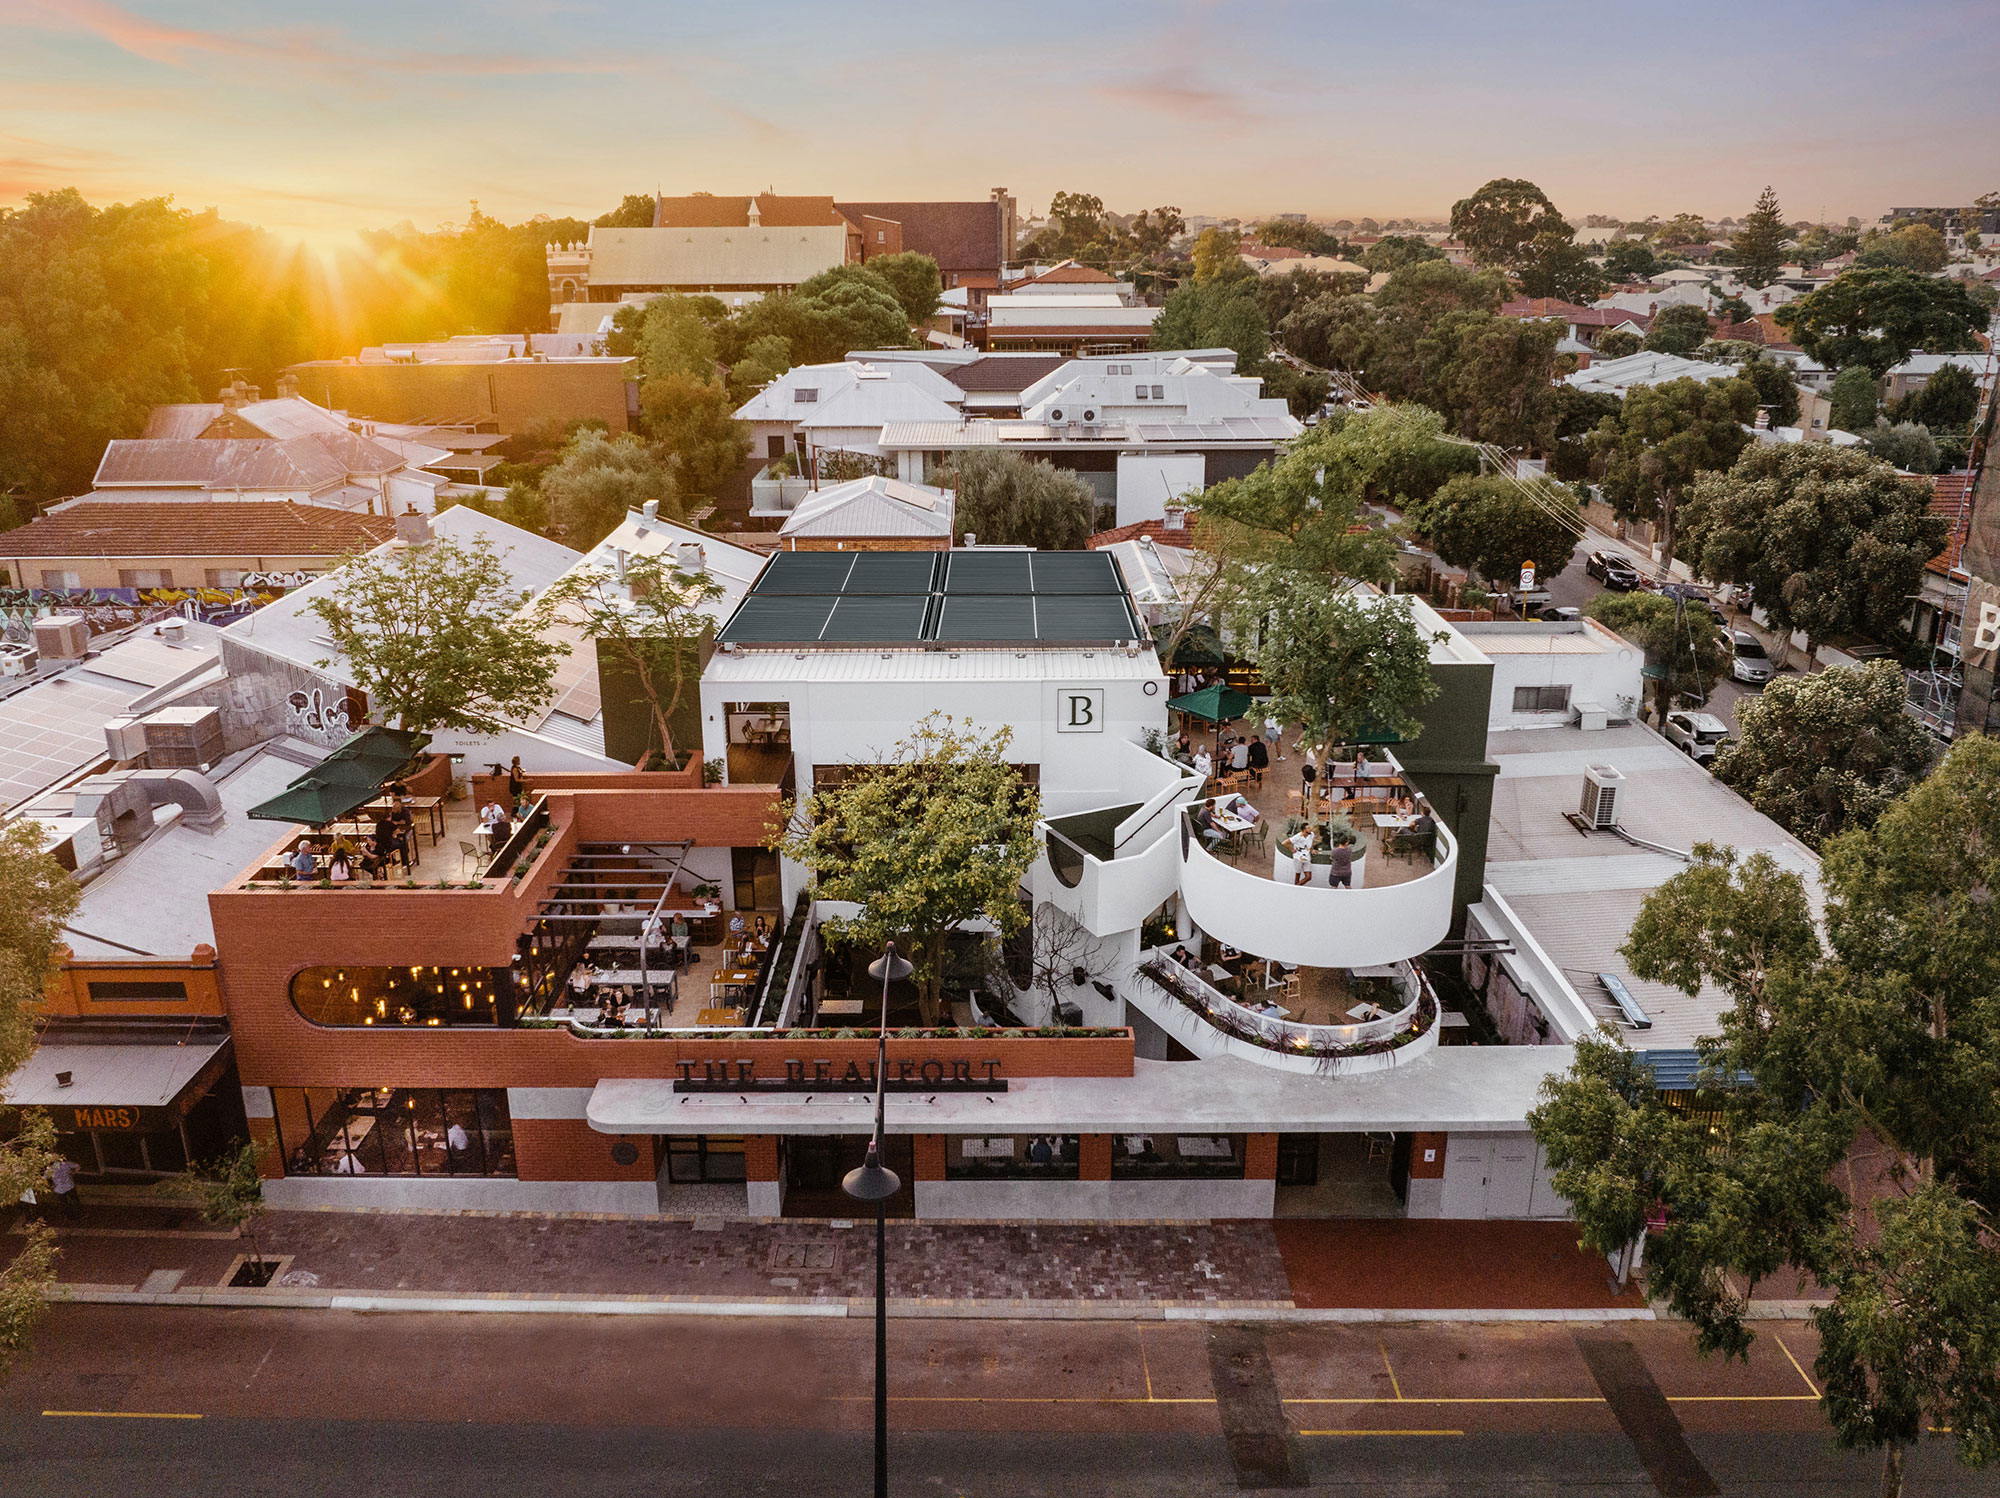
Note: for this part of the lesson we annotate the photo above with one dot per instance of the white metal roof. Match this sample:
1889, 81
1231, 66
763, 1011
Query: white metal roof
872, 506
131, 1076
1647, 367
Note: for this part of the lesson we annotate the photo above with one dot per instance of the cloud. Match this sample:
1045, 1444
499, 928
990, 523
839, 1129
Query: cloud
1176, 91
182, 46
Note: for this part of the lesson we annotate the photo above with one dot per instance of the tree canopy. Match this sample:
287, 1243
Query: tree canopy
1832, 540
1678, 330
1947, 402
1759, 245
1874, 317
690, 419
435, 637
1218, 313
1917, 247
913, 278
1822, 753
1663, 438
1852, 403
599, 479
1006, 499
1681, 639
1502, 222
941, 832
1492, 525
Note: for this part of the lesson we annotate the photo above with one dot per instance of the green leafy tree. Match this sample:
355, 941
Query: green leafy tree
1852, 402
1759, 245
1394, 251
653, 619
1875, 1042
759, 364
599, 480
847, 307
1775, 391
1832, 540
1492, 378
1874, 317
940, 833
1682, 229
1339, 663
1733, 309
1006, 499
435, 636
1492, 525
1502, 222
1311, 238
1218, 256
1630, 260
1819, 754
914, 279
1663, 438
634, 211
1421, 293
1618, 343
1559, 267
1678, 330
1280, 295
36, 898
1916, 247
693, 421
1947, 402
1578, 414
675, 339
1682, 640
1907, 445
229, 1192
1217, 313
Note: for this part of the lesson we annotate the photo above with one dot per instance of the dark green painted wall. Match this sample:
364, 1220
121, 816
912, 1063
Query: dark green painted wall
1449, 765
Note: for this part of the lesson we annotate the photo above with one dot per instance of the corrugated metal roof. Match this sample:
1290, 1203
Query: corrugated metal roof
715, 257
872, 506
181, 421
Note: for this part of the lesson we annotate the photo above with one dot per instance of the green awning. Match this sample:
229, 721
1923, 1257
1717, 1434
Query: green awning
315, 801
1216, 704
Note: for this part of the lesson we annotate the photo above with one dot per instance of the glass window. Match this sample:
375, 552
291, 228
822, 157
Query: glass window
1011, 1157
1139, 392
423, 996
1541, 699
397, 1131
1159, 392
1177, 1157
693, 1158
805, 395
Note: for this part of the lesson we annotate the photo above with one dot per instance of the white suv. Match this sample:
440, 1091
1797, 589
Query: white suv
1698, 734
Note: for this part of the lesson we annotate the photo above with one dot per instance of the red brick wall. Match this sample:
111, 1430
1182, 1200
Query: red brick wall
1420, 1168
270, 1162
760, 1157
719, 816
434, 779
568, 1149
1260, 1157
929, 1152
67, 991
1093, 1157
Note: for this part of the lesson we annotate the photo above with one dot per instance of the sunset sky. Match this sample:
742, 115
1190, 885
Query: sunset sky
317, 119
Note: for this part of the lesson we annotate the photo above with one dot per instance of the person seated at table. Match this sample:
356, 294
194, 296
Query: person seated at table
1203, 765
1260, 758
763, 929
680, 935
403, 822
579, 982
1039, 1152
301, 864
340, 867
1239, 754
737, 925
1205, 828
1182, 956
1361, 762
380, 852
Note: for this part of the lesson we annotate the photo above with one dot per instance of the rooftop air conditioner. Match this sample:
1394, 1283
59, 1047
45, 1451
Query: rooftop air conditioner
62, 637
1090, 416
125, 738
17, 659
1058, 416
1601, 784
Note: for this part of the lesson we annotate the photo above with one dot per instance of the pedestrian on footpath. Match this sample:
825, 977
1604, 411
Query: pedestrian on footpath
62, 1180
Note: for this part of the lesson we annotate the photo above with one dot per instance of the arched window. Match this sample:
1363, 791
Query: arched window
423, 996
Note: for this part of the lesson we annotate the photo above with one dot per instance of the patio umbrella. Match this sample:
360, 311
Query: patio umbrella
1213, 704
314, 801
1200, 646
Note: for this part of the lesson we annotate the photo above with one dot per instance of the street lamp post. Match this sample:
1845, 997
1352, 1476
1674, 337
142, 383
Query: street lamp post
874, 1182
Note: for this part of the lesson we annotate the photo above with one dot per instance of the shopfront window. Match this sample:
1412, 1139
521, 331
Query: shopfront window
1011, 1157
394, 1131
1176, 1157
705, 1157
421, 996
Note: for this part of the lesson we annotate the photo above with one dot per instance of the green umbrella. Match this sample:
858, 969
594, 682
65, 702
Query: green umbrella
1215, 704
314, 802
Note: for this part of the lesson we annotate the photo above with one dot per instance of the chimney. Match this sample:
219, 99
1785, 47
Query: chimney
650, 509
288, 385
1176, 518
690, 557
237, 394
411, 528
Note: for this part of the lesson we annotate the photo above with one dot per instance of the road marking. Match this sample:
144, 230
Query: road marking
1465, 1399
1394, 1387
1014, 1399
115, 1415
1144, 1366
1795, 1363
1381, 1432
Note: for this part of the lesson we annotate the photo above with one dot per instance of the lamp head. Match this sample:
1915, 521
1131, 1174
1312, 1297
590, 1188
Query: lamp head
889, 967
871, 1181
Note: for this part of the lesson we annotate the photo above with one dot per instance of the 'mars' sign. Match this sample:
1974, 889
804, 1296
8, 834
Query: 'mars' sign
1080, 710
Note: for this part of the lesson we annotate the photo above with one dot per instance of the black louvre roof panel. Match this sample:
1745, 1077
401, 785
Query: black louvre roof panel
987, 616
1072, 617
1075, 572
891, 571
988, 572
777, 619
878, 618
806, 572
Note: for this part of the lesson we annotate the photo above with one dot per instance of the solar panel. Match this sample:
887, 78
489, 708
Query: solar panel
1068, 616
1074, 572
987, 616
862, 618
806, 572
777, 619
892, 572
988, 572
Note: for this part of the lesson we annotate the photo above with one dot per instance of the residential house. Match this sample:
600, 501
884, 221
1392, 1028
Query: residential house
814, 409
496, 385
226, 547
1647, 367
870, 514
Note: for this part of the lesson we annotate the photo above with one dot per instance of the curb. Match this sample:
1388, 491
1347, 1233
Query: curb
909, 1310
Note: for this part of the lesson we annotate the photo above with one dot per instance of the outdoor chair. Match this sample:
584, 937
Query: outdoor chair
467, 853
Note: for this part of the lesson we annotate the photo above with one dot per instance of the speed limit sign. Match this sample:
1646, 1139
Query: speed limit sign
1527, 577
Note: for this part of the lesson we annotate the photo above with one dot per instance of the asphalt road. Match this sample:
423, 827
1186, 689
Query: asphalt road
135, 1402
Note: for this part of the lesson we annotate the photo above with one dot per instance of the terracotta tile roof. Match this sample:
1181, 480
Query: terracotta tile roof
702, 211
1951, 497
1541, 306
1258, 251
1069, 273
958, 236
1775, 337
195, 528
1157, 529
990, 375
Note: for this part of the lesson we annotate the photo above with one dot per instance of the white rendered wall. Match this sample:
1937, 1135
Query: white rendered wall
1148, 481
1095, 1201
485, 1195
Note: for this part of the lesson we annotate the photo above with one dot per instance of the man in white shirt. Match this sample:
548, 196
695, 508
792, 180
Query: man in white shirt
1203, 765
1239, 754
455, 1140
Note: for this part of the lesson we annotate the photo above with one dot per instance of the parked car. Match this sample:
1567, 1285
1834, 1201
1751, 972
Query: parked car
1612, 570
1561, 613
1750, 664
1699, 596
1700, 735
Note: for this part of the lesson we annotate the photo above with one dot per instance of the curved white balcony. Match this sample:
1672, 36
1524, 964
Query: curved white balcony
1307, 926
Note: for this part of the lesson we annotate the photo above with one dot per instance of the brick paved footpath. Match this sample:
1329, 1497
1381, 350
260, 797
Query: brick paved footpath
1321, 1264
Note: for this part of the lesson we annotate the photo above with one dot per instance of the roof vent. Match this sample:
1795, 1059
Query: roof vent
650, 509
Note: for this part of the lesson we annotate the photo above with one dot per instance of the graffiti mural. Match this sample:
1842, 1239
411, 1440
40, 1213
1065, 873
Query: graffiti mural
318, 717
105, 609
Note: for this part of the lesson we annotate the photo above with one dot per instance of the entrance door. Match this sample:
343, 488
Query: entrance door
1298, 1159
816, 1165
1510, 1178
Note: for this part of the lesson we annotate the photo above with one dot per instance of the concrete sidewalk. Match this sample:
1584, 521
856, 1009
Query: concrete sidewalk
602, 1264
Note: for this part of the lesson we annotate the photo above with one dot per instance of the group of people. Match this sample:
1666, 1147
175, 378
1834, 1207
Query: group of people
393, 840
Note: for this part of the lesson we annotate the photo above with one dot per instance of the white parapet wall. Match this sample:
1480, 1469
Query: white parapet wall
1104, 1201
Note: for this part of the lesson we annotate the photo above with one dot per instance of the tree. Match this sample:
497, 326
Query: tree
1280, 295
1917, 247
1682, 640
1850, 1135
1501, 221
652, 618
1492, 378
1907, 445
1394, 251
229, 1192
1217, 313
1947, 402
1662, 439
674, 338
1618, 343
1339, 663
1733, 309
1682, 229
1218, 256
913, 278
36, 898
1559, 267
1630, 260
433, 634
939, 833
759, 364
1775, 391
1293, 234
1494, 524
601, 479
1852, 404
1819, 754
847, 307
634, 211
1578, 414
1678, 330
1006, 499
1875, 317
692, 420
1832, 541
1759, 245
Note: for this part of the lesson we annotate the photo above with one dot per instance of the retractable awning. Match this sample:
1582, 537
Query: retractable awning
118, 1085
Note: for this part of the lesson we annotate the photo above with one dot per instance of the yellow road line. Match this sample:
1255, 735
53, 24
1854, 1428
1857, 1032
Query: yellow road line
1395, 1387
1381, 1432
115, 1415
1468, 1399
1143, 1364
1795, 1363
1015, 1399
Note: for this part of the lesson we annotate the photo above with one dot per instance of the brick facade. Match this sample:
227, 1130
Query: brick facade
67, 993
1422, 1169
1093, 1157
928, 1153
1260, 1157
568, 1149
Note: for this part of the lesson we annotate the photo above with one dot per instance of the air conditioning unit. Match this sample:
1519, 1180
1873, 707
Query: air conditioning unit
17, 660
1090, 416
1601, 784
183, 738
62, 637
1059, 416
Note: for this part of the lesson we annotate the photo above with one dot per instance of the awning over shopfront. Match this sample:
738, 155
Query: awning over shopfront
102, 1083
347, 779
